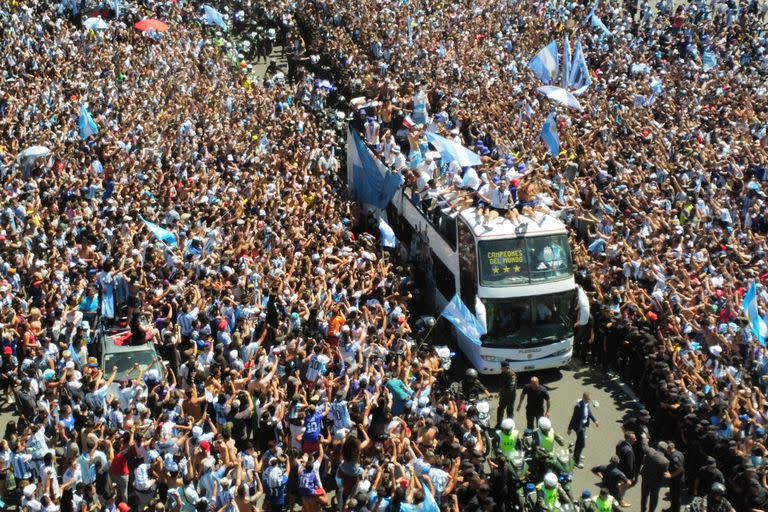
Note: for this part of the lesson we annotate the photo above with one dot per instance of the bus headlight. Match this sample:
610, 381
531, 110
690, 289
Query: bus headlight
561, 352
492, 359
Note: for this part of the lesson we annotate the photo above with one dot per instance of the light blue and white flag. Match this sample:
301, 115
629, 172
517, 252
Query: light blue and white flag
709, 60
759, 325
566, 74
214, 17
549, 135
545, 63
462, 318
162, 234
657, 89
410, 31
85, 124
579, 79
598, 24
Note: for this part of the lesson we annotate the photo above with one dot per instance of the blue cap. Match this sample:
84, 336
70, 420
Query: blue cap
529, 487
585, 495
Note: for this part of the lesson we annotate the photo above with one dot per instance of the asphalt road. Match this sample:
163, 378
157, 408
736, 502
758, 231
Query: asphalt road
612, 403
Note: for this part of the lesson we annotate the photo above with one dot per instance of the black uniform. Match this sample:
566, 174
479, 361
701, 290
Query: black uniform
507, 394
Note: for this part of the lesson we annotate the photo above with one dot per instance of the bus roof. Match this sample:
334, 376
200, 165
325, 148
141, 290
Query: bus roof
501, 227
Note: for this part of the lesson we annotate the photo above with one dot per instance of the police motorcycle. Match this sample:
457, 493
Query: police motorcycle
552, 459
478, 409
509, 447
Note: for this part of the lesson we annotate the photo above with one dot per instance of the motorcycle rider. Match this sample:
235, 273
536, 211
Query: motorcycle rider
471, 387
507, 438
714, 502
604, 502
544, 436
551, 495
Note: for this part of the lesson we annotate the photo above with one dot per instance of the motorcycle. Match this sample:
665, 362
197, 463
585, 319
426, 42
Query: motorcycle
562, 463
482, 418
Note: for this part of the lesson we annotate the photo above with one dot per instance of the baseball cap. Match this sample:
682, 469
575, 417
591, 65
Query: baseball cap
206, 446
7, 351
123, 507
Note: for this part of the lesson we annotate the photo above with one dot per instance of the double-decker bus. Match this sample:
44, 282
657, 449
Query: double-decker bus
517, 282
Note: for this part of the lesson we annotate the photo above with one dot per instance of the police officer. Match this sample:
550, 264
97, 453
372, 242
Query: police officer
471, 387
506, 442
551, 495
507, 392
604, 502
544, 436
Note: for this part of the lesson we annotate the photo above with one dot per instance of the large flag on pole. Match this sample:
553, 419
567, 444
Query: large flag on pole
759, 325
162, 234
462, 318
545, 63
549, 135
579, 79
85, 124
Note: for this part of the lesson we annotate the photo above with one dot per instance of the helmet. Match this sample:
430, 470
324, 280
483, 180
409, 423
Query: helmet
717, 488
545, 424
507, 424
550, 480
471, 373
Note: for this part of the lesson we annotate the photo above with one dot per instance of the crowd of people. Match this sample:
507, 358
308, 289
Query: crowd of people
661, 176
291, 372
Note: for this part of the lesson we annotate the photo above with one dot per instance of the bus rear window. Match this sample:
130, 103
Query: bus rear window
524, 260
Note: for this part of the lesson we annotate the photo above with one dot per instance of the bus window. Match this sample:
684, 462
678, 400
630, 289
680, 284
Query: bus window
528, 321
524, 260
503, 262
445, 281
550, 257
468, 266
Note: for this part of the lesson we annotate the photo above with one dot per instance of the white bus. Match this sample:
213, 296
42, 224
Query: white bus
519, 284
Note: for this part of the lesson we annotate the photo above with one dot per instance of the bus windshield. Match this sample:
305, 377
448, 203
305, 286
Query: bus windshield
518, 261
529, 321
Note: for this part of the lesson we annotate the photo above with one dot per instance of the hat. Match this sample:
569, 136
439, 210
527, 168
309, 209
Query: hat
93, 362
273, 460
29, 490
206, 446
8, 351
123, 507
197, 431
716, 350
585, 495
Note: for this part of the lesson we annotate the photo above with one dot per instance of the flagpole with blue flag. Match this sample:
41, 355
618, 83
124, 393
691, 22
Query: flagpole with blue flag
168, 238
462, 318
85, 123
566, 62
749, 305
410, 32
549, 135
